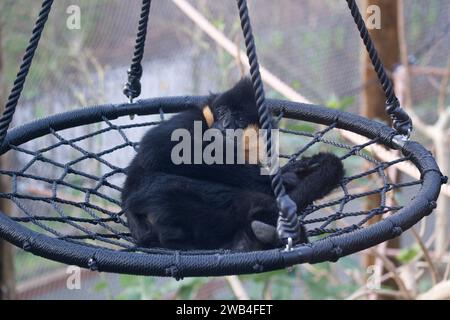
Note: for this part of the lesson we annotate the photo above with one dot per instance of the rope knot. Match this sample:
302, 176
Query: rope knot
173, 272
132, 88
396, 231
26, 245
401, 121
337, 252
93, 264
258, 267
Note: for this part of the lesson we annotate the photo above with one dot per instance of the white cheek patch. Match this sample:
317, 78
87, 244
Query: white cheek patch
208, 115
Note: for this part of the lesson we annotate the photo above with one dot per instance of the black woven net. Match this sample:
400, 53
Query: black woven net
67, 184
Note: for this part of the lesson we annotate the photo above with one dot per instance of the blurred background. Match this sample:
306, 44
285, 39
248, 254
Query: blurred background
313, 47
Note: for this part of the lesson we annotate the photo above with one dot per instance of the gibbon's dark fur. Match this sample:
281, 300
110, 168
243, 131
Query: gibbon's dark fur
201, 206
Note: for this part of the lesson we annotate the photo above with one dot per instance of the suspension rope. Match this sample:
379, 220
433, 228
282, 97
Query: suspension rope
401, 121
288, 227
132, 88
11, 104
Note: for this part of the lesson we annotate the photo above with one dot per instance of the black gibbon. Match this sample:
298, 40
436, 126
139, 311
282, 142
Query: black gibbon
210, 206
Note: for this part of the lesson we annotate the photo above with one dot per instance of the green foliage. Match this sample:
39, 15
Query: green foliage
318, 286
219, 24
302, 126
39, 111
296, 85
279, 283
28, 265
339, 103
319, 282
277, 39
139, 288
188, 288
416, 27
53, 55
151, 288
433, 12
339, 37
101, 285
408, 254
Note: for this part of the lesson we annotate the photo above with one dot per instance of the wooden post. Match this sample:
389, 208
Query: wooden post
7, 283
386, 41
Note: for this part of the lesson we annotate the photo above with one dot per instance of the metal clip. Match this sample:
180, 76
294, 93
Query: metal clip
399, 140
289, 244
131, 115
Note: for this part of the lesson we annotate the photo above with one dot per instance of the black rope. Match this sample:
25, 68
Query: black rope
288, 225
401, 121
11, 104
132, 88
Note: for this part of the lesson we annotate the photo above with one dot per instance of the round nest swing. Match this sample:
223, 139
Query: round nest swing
66, 197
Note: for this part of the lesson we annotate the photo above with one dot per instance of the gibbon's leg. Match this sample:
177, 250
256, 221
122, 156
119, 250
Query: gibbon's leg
305, 180
317, 176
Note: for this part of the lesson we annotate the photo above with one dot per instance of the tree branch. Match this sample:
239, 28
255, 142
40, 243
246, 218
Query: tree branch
426, 255
237, 287
441, 291
231, 48
443, 88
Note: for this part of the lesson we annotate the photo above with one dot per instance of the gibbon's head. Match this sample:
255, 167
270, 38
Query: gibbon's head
236, 109
233, 109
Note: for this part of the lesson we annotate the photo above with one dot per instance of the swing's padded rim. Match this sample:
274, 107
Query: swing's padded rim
183, 264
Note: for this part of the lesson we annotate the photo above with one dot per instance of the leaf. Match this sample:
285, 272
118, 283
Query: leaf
100, 286
130, 294
190, 287
301, 126
339, 103
408, 254
219, 24
126, 281
296, 85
